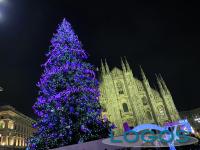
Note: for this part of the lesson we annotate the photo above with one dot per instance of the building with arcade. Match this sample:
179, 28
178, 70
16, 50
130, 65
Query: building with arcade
15, 128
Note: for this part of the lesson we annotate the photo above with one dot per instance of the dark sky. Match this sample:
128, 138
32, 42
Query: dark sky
162, 37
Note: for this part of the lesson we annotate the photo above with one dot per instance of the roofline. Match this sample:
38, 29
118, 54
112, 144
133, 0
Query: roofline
11, 108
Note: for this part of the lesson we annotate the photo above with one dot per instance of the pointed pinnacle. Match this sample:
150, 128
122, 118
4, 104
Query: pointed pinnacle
142, 73
107, 68
163, 83
123, 65
127, 64
102, 67
159, 84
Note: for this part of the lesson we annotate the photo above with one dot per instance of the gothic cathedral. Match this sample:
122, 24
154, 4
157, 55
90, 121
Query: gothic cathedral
124, 98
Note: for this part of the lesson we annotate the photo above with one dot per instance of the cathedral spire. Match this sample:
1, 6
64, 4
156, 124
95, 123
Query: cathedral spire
127, 64
107, 68
123, 66
102, 67
143, 74
160, 85
164, 84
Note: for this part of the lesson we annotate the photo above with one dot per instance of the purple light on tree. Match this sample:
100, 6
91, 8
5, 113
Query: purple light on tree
67, 107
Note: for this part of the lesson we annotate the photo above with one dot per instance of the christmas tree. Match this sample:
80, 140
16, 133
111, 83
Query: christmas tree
67, 107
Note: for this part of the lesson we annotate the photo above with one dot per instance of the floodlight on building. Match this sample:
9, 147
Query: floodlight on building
197, 119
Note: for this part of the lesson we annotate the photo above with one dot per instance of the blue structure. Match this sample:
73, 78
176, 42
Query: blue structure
182, 123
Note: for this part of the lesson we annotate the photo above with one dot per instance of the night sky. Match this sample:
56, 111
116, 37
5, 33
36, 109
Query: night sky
162, 37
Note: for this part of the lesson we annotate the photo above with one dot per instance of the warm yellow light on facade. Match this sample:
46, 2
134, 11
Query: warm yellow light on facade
124, 98
16, 144
11, 141
15, 128
2, 124
10, 125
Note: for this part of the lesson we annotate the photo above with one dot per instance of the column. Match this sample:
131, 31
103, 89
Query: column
20, 142
16, 141
7, 140
1, 139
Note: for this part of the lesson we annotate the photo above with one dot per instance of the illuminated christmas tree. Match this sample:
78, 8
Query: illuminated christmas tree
68, 107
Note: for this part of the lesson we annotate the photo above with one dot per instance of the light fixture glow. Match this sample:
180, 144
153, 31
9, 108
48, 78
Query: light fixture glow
1, 89
197, 119
1, 17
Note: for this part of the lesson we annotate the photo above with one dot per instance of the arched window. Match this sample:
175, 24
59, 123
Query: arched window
148, 114
125, 107
120, 87
2, 124
10, 124
144, 100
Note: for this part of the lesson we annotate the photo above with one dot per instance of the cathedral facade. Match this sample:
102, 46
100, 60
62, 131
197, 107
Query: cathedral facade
124, 98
